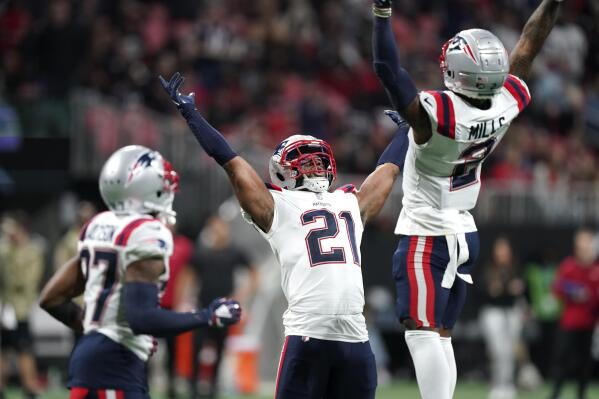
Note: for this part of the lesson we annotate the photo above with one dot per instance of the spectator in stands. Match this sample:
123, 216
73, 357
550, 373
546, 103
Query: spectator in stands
501, 317
66, 248
577, 285
172, 298
21, 268
214, 272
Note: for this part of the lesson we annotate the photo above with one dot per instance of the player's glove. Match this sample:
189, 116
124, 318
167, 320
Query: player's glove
172, 88
224, 312
395, 117
382, 8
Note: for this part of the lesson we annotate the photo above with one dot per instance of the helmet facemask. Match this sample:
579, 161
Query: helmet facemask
306, 165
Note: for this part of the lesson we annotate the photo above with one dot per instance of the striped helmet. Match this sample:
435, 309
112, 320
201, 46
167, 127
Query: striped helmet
136, 179
302, 162
474, 63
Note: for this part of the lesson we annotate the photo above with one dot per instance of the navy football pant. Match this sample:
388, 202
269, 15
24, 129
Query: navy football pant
315, 369
420, 264
100, 368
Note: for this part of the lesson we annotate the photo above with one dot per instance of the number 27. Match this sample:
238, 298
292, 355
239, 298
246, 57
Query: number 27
330, 230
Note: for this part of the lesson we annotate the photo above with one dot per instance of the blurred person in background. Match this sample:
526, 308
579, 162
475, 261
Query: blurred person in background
502, 290
171, 299
66, 248
212, 275
577, 286
21, 268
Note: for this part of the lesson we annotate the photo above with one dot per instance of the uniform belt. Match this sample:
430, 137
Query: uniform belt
458, 255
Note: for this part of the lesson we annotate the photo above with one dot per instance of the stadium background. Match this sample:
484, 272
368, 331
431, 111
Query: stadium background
79, 79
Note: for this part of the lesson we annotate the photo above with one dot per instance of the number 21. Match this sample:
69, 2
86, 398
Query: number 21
330, 230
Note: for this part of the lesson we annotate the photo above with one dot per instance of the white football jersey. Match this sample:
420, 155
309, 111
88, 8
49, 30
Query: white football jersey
316, 239
107, 245
441, 178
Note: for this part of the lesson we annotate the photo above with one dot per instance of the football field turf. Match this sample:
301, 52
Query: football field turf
399, 390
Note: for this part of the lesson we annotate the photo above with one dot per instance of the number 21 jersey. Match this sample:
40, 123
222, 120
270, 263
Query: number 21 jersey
441, 178
316, 240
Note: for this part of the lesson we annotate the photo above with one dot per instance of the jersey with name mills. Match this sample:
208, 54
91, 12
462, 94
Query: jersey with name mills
441, 178
316, 239
108, 244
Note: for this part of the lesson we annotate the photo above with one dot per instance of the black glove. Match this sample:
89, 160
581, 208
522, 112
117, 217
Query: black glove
382, 8
172, 88
224, 312
382, 3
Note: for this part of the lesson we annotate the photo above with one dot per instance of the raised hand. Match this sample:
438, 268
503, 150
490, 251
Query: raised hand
224, 312
395, 117
172, 88
382, 3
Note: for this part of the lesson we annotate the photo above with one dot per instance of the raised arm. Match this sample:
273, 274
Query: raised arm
56, 297
249, 189
378, 185
397, 82
533, 36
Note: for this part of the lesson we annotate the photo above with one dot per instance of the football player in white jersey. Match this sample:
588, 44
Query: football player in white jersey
121, 270
315, 235
453, 131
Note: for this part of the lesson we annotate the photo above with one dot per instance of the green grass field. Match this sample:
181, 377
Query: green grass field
407, 390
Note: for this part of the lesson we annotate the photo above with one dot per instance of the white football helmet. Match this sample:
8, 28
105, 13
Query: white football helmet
303, 162
136, 179
474, 63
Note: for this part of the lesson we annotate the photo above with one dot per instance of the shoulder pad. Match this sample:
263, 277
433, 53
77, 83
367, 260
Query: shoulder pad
86, 225
445, 113
517, 88
348, 188
123, 237
271, 186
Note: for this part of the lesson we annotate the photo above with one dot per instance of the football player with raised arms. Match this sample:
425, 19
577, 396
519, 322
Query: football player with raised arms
315, 235
122, 268
452, 132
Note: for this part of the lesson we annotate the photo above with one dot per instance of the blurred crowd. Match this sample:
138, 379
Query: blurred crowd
262, 70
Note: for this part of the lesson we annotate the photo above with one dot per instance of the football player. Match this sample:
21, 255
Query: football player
121, 270
315, 235
452, 133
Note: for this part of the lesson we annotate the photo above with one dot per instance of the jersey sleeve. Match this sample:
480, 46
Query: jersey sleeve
151, 239
518, 91
439, 107
277, 194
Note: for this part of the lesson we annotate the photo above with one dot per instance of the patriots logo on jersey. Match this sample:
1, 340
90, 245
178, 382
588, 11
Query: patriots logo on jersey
460, 44
143, 162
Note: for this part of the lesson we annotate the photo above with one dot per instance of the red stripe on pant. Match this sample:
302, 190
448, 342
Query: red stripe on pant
281, 360
430, 282
412, 280
78, 393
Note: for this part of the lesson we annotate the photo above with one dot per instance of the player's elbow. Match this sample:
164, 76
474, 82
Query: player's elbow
47, 300
384, 73
44, 301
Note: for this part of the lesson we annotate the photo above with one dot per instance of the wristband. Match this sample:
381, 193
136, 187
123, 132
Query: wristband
381, 12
